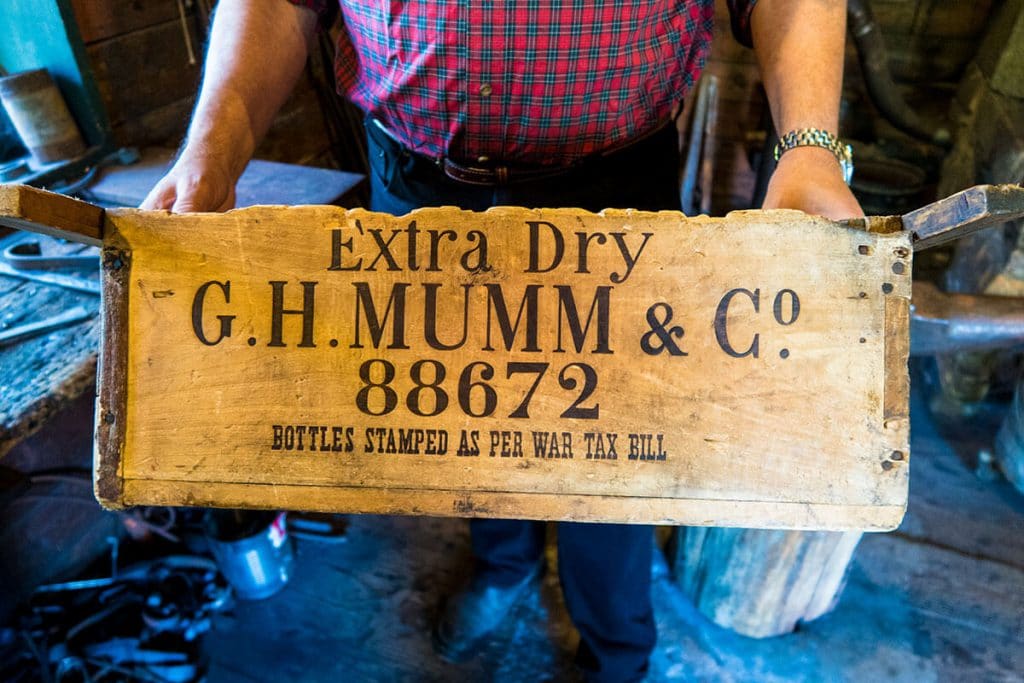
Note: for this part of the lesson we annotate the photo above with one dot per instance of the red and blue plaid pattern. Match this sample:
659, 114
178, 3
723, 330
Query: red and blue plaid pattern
534, 81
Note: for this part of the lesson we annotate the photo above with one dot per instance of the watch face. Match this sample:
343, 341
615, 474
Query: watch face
846, 163
847, 167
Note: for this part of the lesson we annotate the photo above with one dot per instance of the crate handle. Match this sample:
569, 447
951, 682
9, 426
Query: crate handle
964, 213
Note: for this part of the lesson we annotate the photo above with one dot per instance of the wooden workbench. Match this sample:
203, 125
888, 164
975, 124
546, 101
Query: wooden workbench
40, 376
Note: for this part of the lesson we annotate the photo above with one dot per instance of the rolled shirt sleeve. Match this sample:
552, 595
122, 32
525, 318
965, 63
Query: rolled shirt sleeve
739, 12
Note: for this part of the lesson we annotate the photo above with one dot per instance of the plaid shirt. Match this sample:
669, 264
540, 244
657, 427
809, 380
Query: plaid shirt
534, 81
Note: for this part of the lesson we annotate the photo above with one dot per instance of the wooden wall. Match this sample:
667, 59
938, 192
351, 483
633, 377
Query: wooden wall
931, 40
139, 55
929, 43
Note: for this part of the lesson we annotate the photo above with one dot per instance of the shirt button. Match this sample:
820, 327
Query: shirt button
486, 90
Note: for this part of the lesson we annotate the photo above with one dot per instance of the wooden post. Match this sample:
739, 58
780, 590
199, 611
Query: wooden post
762, 583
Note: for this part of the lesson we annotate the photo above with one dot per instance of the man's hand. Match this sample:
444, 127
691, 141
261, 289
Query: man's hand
256, 54
810, 179
193, 185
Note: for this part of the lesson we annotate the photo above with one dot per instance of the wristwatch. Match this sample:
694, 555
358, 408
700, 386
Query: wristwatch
815, 137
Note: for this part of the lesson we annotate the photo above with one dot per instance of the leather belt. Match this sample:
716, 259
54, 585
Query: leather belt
503, 174
499, 174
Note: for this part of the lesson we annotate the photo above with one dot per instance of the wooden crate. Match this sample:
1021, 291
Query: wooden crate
545, 364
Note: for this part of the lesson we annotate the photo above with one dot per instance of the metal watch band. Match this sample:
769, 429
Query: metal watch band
815, 137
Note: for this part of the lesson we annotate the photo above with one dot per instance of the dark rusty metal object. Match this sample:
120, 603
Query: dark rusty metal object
942, 322
28, 255
142, 623
961, 328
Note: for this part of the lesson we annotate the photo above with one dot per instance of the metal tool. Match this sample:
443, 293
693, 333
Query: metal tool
315, 526
28, 255
125, 156
26, 260
65, 319
942, 322
695, 186
141, 624
72, 282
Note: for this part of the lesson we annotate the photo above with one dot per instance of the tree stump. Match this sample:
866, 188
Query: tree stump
762, 583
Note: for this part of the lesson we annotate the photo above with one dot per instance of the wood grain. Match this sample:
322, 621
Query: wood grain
103, 19
964, 213
794, 438
763, 583
111, 402
42, 375
432, 501
145, 69
26, 208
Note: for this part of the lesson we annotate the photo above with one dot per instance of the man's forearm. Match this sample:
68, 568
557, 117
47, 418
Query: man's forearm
800, 47
256, 54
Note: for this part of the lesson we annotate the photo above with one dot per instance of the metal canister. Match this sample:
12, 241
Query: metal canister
252, 549
41, 116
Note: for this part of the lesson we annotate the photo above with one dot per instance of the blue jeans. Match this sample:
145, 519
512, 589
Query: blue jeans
604, 569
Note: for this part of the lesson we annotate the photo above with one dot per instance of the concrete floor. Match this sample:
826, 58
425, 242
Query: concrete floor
941, 599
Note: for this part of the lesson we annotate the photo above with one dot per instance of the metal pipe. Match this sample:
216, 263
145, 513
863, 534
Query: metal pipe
874, 64
942, 322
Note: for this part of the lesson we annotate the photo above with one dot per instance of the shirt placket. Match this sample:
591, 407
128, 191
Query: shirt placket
481, 142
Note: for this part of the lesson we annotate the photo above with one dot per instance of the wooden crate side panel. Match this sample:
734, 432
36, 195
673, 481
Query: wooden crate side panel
111, 373
803, 425
499, 505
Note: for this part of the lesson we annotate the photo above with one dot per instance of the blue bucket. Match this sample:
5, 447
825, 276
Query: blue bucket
252, 549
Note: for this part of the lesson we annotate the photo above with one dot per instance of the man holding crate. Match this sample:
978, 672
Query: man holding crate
541, 104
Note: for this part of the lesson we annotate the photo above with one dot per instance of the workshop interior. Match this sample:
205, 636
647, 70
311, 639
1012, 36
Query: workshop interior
97, 96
